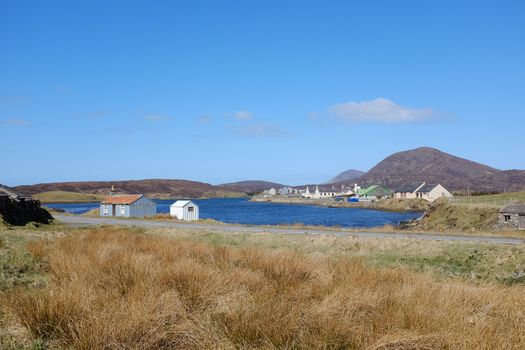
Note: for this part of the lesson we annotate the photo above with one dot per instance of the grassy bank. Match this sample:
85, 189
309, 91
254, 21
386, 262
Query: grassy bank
495, 200
67, 197
166, 289
446, 216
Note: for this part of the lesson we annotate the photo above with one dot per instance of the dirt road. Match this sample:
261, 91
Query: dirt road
87, 221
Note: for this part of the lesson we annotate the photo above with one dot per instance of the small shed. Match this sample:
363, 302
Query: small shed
128, 206
185, 210
512, 217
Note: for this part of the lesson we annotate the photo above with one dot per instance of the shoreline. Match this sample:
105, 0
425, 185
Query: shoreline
395, 206
442, 218
385, 229
377, 232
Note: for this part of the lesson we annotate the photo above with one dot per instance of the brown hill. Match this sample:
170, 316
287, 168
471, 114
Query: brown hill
346, 175
251, 187
433, 166
155, 188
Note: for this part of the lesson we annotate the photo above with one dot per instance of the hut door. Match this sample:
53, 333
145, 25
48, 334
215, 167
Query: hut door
521, 222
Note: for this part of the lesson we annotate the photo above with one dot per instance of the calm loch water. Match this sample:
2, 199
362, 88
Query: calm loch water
242, 211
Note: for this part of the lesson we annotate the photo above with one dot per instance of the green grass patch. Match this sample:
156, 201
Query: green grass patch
485, 263
496, 200
18, 267
67, 197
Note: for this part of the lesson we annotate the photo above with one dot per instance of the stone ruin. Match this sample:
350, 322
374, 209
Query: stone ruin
18, 209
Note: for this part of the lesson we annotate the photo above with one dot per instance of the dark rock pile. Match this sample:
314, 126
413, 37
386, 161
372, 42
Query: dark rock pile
18, 209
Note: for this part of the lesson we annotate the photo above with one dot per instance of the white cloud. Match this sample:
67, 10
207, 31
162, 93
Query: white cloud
245, 124
243, 115
156, 117
14, 122
379, 110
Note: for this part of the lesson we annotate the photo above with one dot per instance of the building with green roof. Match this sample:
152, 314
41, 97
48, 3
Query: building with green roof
377, 191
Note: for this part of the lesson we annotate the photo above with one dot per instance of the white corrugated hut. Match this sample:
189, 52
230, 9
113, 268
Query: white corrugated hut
185, 210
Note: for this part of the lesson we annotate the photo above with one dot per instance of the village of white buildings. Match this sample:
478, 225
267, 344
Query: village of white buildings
356, 193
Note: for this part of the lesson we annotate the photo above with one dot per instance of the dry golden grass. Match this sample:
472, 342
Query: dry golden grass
119, 289
168, 217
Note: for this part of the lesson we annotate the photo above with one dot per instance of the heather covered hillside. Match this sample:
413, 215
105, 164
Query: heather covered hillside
433, 166
155, 188
346, 175
254, 186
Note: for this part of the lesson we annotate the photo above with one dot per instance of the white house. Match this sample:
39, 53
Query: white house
285, 190
430, 192
185, 210
269, 193
408, 190
306, 193
318, 194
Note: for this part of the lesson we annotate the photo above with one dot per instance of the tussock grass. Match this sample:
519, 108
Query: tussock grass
116, 288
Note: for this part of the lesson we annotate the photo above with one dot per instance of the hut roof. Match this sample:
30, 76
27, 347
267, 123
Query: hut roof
409, 187
123, 199
12, 193
427, 188
374, 190
181, 203
514, 208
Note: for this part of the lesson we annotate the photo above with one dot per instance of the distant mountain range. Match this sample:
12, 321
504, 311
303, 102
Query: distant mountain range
346, 175
156, 188
421, 164
251, 187
433, 166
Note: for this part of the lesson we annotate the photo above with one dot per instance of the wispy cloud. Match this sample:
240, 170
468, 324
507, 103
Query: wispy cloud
156, 117
92, 115
14, 122
245, 124
204, 119
124, 130
243, 115
379, 110
63, 88
260, 130
18, 99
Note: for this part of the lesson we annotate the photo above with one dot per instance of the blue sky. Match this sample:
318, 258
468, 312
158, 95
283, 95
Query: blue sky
221, 91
